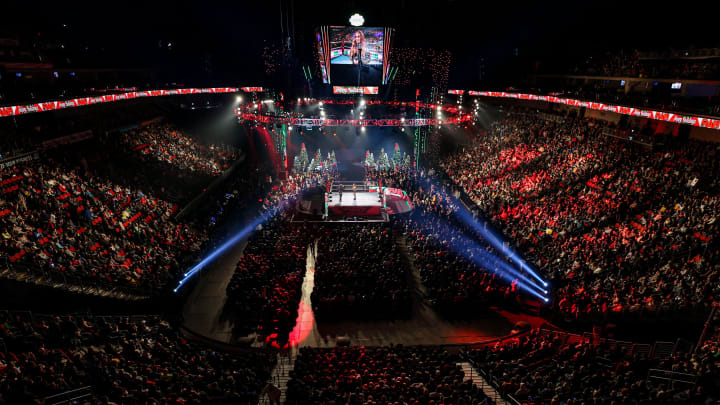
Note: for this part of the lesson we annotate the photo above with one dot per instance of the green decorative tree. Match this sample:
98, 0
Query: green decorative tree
383, 162
369, 159
407, 163
303, 160
397, 157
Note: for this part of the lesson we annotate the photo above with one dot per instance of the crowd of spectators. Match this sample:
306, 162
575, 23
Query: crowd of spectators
360, 273
456, 277
614, 226
634, 64
86, 214
170, 146
122, 360
74, 226
265, 290
662, 99
547, 368
422, 375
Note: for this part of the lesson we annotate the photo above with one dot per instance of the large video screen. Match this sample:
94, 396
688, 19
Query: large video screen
356, 45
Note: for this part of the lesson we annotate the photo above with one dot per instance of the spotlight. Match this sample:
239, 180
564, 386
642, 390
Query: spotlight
362, 129
290, 128
321, 104
238, 99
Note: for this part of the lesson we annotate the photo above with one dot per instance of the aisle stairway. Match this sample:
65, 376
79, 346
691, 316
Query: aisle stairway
479, 380
286, 359
280, 377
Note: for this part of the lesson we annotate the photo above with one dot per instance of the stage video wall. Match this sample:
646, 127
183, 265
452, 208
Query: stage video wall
354, 55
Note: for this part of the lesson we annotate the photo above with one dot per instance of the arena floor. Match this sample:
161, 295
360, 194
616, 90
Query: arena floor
203, 316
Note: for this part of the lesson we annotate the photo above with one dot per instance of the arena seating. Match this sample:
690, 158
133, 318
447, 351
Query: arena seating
139, 359
441, 247
360, 273
637, 64
79, 227
548, 368
168, 144
265, 290
84, 214
382, 375
618, 228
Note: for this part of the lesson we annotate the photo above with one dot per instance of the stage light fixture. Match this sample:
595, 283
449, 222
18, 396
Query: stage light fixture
290, 128
238, 99
362, 129
356, 20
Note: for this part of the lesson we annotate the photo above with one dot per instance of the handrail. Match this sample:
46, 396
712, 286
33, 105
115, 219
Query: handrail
68, 396
672, 376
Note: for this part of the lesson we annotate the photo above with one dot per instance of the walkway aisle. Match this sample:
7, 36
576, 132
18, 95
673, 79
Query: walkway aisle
304, 325
203, 309
477, 379
414, 273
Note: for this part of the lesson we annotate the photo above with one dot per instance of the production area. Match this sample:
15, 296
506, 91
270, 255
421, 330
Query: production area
361, 203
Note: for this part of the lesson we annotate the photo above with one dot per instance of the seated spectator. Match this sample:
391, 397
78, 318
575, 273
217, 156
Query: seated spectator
359, 273
545, 367
384, 375
142, 360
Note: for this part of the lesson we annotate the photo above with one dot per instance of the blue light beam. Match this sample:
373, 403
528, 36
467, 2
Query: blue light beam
485, 230
225, 246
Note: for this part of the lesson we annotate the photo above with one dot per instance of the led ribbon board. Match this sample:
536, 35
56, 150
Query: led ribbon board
9, 111
692, 120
